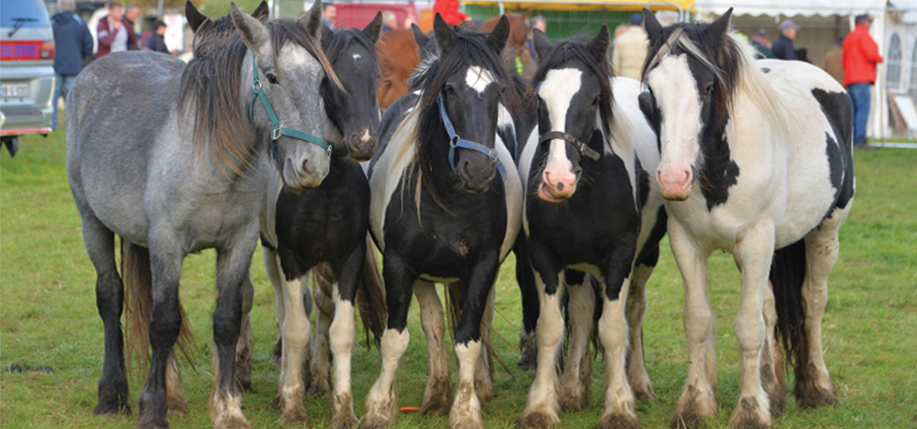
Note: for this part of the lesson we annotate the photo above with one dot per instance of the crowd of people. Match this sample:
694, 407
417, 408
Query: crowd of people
853, 62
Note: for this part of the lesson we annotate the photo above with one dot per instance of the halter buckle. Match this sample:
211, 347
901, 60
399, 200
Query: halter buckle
257, 85
275, 133
329, 149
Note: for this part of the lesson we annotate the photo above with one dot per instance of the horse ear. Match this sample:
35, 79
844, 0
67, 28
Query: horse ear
718, 28
445, 37
312, 21
599, 44
652, 25
327, 36
374, 28
542, 44
419, 36
195, 17
262, 12
253, 32
499, 35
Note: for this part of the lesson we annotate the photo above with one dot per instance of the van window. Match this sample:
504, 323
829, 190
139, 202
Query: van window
23, 13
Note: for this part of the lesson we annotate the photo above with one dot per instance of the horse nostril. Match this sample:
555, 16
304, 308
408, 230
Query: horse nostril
560, 186
305, 165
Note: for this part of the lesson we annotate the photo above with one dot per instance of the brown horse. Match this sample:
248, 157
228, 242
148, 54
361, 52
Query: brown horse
398, 56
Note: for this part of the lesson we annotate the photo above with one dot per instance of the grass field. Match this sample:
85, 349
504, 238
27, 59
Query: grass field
48, 318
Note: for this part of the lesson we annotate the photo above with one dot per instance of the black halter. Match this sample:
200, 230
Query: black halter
457, 142
583, 149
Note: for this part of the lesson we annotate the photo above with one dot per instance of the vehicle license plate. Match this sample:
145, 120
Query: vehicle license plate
17, 90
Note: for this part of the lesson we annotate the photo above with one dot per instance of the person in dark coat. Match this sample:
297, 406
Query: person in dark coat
783, 47
156, 42
72, 44
761, 44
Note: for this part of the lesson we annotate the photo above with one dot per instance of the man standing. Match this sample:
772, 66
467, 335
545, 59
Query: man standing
157, 42
783, 47
114, 31
329, 14
630, 49
861, 55
761, 44
73, 43
131, 15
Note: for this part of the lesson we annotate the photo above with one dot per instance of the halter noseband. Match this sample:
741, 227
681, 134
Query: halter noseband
457, 142
277, 131
570, 139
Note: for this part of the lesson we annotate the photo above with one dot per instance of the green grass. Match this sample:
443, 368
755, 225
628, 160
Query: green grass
48, 318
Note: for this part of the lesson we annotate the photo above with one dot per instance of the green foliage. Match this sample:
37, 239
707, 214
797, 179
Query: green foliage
48, 318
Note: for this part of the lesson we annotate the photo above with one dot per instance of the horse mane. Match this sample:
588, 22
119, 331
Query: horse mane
469, 49
577, 48
732, 61
209, 85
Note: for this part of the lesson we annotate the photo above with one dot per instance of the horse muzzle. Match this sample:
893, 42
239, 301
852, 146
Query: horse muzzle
305, 172
676, 183
362, 145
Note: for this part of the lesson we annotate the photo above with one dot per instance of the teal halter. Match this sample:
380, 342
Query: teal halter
258, 93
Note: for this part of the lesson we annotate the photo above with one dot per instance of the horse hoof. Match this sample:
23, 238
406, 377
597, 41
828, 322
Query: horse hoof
749, 415
148, 421
469, 423
318, 387
374, 422
536, 420
234, 422
618, 421
810, 396
644, 393
112, 407
295, 417
436, 408
344, 421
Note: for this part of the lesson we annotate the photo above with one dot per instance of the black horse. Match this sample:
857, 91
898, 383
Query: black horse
446, 207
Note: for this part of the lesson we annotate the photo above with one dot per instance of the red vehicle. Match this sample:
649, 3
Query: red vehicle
359, 14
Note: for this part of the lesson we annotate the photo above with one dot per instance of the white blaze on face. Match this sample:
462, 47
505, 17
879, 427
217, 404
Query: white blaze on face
678, 100
557, 92
478, 79
356, 57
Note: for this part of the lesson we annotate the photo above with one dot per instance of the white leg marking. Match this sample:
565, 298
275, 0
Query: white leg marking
466, 408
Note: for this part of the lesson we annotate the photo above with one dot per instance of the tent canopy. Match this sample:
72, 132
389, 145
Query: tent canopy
790, 8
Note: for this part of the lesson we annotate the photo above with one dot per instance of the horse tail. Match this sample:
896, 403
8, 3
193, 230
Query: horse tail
788, 272
138, 305
370, 297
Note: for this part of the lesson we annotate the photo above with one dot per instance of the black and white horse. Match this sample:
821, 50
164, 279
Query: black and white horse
324, 228
768, 144
589, 207
173, 158
446, 207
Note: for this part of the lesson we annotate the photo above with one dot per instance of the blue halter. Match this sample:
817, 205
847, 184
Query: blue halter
258, 93
457, 142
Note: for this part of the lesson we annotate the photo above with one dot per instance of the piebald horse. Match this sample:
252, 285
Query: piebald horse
187, 173
446, 207
756, 161
589, 207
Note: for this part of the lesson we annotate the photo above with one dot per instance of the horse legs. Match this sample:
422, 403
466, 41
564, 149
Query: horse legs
542, 407
274, 273
295, 332
342, 333
753, 256
575, 384
438, 395
319, 382
466, 407
697, 401
484, 370
100, 245
244, 346
381, 401
636, 306
165, 323
528, 348
813, 382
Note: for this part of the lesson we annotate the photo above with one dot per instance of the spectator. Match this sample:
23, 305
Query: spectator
329, 14
72, 44
540, 23
630, 49
389, 21
834, 64
861, 55
783, 47
449, 9
156, 42
132, 14
114, 31
761, 44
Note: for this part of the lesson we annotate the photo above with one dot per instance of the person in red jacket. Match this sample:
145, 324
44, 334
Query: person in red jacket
861, 55
449, 9
114, 32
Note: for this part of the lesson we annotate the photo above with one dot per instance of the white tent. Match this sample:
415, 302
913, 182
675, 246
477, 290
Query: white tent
841, 10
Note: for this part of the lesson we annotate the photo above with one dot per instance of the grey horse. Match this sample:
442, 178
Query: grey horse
175, 159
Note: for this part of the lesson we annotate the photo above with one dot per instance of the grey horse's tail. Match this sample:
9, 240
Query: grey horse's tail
788, 272
138, 300
370, 297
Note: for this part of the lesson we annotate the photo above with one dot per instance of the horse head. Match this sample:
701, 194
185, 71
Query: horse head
466, 87
574, 101
690, 76
281, 77
353, 109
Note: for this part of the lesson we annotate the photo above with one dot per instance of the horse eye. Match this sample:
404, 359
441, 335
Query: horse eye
595, 101
708, 88
271, 78
450, 90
